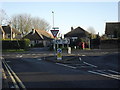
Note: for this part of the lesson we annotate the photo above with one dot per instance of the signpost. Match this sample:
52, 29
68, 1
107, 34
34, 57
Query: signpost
54, 33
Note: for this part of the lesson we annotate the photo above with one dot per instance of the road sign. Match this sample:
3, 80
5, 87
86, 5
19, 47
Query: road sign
55, 28
54, 32
59, 54
62, 41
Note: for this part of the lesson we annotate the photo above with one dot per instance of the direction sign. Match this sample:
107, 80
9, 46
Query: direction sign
54, 32
62, 41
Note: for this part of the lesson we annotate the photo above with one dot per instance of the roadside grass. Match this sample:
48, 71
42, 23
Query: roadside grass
87, 49
14, 50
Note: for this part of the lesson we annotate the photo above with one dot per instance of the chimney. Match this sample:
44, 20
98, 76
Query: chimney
33, 31
71, 28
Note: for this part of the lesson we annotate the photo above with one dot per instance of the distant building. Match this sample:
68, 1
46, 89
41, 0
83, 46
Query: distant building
39, 37
112, 29
77, 33
9, 33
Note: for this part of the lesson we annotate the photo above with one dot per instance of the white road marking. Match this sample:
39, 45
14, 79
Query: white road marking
33, 54
89, 64
12, 87
19, 56
83, 55
114, 71
8, 61
80, 58
39, 59
102, 74
66, 65
28, 54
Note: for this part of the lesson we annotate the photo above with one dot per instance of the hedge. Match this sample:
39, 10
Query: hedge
15, 44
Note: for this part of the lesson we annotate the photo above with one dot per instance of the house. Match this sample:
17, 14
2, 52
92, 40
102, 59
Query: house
39, 37
76, 34
2, 33
10, 33
112, 29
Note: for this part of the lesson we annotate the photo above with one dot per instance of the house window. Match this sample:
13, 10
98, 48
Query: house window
74, 38
36, 41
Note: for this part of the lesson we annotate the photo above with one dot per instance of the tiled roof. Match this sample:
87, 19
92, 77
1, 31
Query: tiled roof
78, 32
7, 30
39, 35
15, 31
111, 27
44, 33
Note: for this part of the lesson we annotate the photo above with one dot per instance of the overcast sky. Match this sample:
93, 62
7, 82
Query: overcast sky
68, 14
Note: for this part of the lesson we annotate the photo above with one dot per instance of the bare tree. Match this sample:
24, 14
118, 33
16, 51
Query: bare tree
3, 17
91, 30
40, 24
22, 22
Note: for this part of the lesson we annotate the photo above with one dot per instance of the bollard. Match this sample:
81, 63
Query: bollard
69, 50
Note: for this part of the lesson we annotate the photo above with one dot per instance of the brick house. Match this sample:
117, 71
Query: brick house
76, 34
112, 29
39, 37
9, 33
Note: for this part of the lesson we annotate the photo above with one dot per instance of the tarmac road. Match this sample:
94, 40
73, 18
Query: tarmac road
35, 72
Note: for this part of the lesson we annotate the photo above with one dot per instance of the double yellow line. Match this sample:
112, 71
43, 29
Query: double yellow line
17, 83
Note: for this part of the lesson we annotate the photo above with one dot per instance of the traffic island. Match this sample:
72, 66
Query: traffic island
65, 59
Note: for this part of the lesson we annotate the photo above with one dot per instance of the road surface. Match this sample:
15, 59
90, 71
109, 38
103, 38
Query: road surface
36, 72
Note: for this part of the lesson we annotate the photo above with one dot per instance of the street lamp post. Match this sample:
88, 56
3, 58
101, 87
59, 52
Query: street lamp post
54, 28
53, 18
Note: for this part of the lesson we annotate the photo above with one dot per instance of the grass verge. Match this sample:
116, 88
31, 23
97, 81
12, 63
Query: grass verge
14, 50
